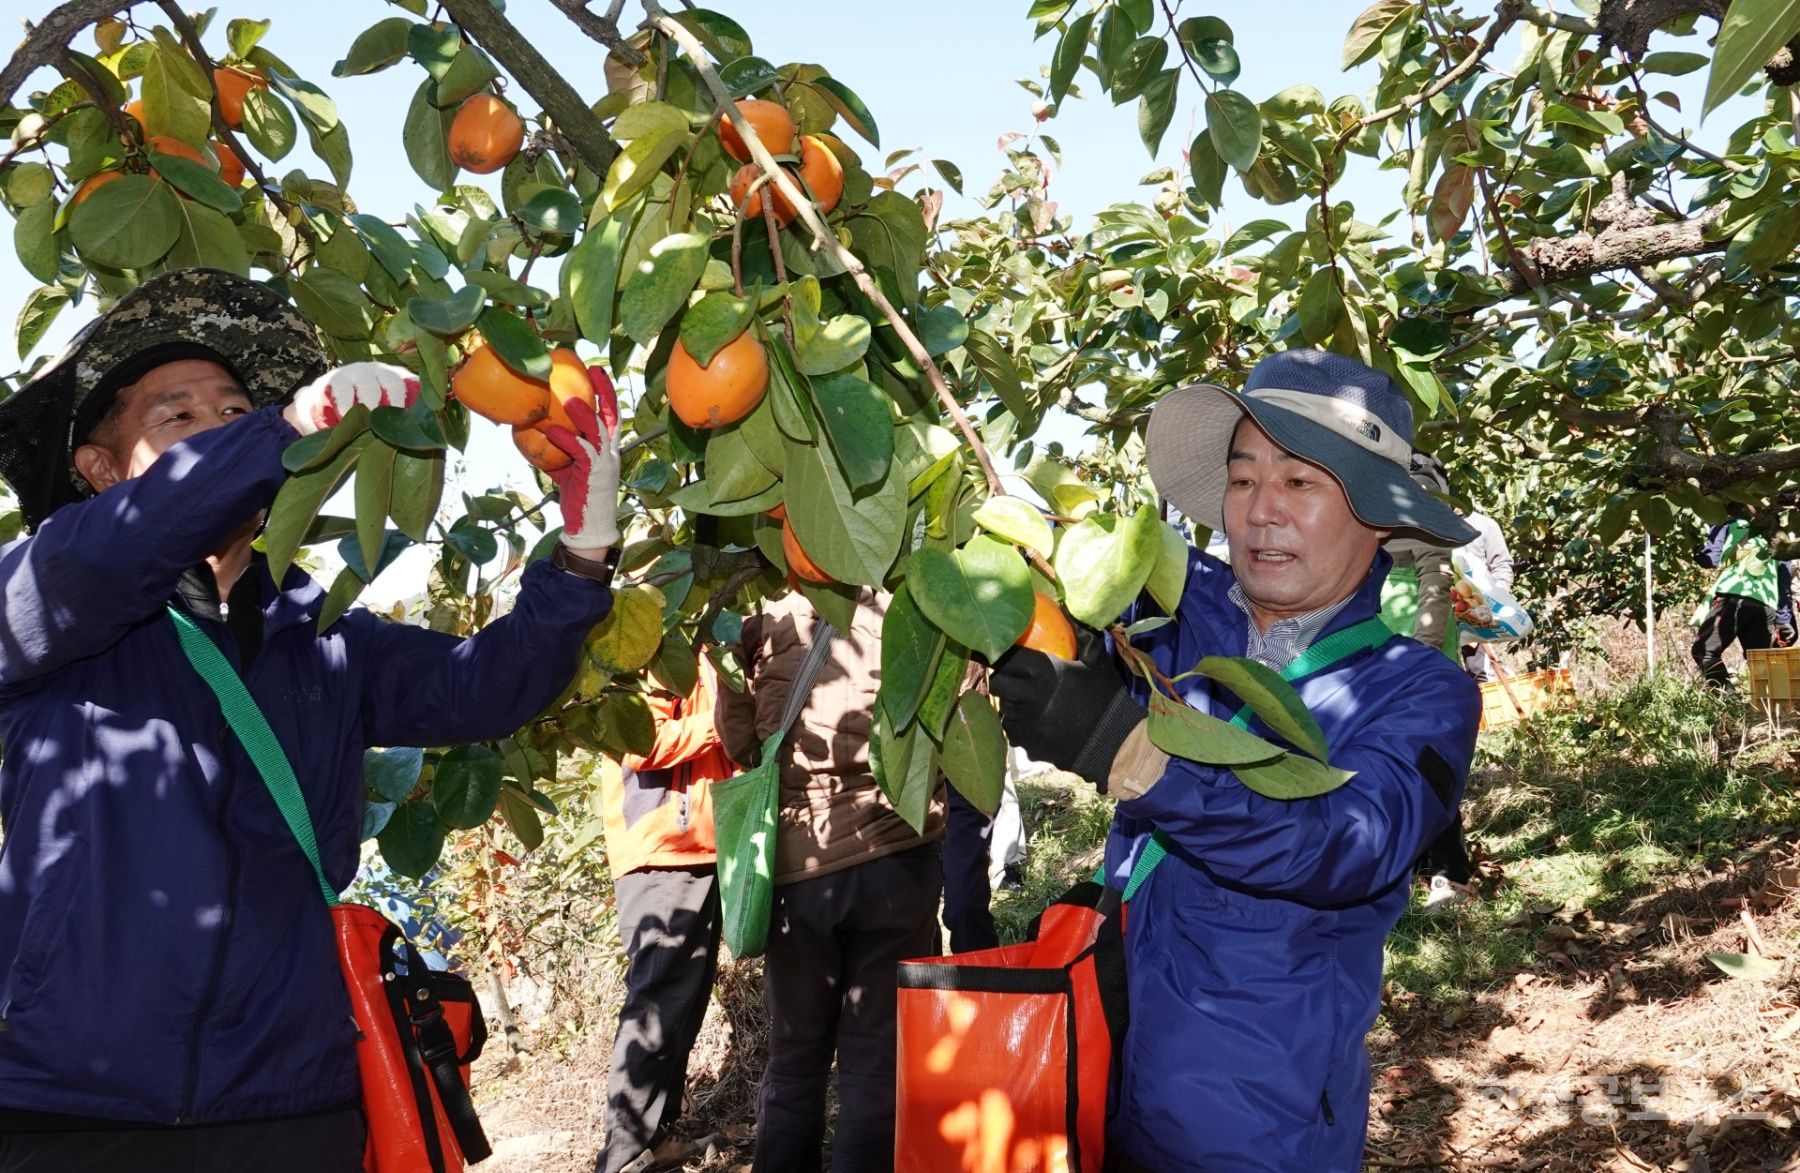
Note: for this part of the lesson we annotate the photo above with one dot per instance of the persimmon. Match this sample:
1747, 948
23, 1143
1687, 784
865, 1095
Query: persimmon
568, 380
234, 85
779, 513
723, 391
821, 172
231, 168
485, 135
488, 387
753, 209
135, 109
92, 184
169, 145
772, 123
800, 563
537, 449
1049, 631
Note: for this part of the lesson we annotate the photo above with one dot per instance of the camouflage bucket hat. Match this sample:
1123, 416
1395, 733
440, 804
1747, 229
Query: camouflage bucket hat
264, 340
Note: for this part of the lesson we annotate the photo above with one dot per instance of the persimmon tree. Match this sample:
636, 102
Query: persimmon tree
1566, 284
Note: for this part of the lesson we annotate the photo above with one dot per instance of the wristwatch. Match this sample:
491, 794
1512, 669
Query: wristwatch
599, 570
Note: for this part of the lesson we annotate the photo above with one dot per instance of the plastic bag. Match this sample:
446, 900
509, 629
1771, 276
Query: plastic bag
1484, 610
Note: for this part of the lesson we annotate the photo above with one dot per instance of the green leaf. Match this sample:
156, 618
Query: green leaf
268, 125
418, 487
1067, 58
662, 283
392, 773
469, 73
299, 502
207, 239
1674, 64
1235, 125
844, 100
592, 272
723, 37
1169, 579
331, 301
1291, 777
375, 818
517, 344
426, 137
823, 347
242, 35
171, 107
1749, 36
466, 787
448, 316
1370, 27
127, 224
1175, 728
853, 539
638, 164
1271, 698
35, 242
945, 687
713, 321
942, 329
320, 448
1321, 304
374, 490
974, 752
1157, 106
375, 48
40, 309
412, 840
333, 146
314, 104
1745, 966
951, 172
1219, 59
1451, 201
996, 366
522, 818
1018, 521
980, 595
747, 75
198, 181
1104, 562
858, 425
1200, 29
733, 473
905, 767
433, 47
553, 211
628, 637
910, 648
1142, 60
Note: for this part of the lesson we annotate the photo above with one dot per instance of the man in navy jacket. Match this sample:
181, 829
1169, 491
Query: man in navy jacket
171, 998
1254, 947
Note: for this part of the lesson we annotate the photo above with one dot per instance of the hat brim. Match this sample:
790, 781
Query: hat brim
1189, 438
268, 345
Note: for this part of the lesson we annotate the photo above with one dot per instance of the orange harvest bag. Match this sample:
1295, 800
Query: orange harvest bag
418, 1030
1005, 1054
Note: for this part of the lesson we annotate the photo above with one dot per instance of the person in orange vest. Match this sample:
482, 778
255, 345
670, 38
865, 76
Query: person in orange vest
660, 846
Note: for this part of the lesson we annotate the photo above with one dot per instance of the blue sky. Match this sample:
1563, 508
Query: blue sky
938, 74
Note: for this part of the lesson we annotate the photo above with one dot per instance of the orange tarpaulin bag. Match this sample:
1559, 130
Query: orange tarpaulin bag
1005, 1054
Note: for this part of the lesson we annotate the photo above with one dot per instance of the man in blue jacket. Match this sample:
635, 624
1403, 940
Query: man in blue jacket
1254, 947
171, 998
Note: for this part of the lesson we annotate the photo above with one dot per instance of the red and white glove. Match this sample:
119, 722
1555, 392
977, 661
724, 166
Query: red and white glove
588, 487
324, 401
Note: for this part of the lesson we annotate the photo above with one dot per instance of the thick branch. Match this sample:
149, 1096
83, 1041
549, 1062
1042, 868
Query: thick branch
573, 118
601, 28
1567, 258
45, 41
1710, 473
1567, 22
1629, 23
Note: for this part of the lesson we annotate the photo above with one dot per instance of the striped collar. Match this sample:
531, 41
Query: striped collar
1277, 647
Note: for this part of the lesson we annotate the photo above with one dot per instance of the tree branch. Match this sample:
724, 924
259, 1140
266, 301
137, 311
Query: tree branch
572, 116
1567, 22
1567, 258
601, 28
45, 41
1505, 16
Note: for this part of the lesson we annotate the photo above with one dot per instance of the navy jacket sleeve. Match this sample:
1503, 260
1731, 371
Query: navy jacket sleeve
423, 687
1714, 550
1339, 848
95, 569
1784, 595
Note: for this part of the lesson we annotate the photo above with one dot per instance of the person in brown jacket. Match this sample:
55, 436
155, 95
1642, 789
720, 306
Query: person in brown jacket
856, 892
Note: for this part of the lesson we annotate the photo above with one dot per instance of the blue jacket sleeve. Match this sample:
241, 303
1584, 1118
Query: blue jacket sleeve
95, 569
1784, 595
423, 687
1714, 550
1339, 848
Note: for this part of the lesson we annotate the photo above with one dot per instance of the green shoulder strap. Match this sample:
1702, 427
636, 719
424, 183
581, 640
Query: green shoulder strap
253, 732
1340, 645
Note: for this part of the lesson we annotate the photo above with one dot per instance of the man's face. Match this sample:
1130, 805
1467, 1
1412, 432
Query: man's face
170, 403
1295, 544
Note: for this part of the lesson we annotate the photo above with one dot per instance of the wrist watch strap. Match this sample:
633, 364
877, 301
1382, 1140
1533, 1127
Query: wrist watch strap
600, 570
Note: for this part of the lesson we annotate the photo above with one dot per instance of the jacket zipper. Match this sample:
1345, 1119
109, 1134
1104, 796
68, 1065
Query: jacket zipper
191, 1086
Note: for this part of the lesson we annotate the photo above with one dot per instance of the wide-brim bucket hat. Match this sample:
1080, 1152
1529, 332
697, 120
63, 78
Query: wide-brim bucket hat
1350, 420
252, 329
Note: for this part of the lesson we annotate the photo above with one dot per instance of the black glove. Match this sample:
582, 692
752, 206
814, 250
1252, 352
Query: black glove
1784, 635
1074, 714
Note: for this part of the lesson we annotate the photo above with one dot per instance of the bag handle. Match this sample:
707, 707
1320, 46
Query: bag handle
808, 675
1339, 645
253, 733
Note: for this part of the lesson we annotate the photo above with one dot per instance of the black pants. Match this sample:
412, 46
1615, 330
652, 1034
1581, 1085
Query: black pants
330, 1142
669, 922
1732, 618
967, 896
1449, 855
830, 975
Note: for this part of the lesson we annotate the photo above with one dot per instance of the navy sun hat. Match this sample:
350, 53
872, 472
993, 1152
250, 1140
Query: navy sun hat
1327, 409
244, 324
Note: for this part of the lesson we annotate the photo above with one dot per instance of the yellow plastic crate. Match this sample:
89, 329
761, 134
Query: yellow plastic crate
1523, 695
1774, 678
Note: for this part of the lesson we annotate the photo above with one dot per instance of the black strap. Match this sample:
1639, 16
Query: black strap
437, 1047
